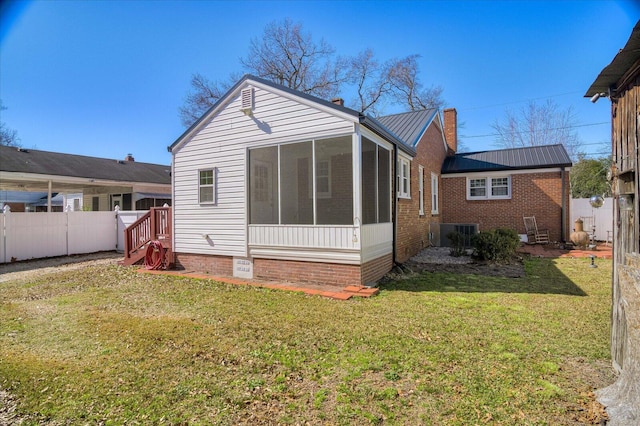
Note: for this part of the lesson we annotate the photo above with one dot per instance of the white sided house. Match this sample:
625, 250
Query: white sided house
272, 183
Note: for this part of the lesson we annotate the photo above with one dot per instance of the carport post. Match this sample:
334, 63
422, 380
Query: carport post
49, 199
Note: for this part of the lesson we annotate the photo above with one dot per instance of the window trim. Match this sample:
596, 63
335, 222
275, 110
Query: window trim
488, 179
326, 194
402, 178
435, 194
212, 185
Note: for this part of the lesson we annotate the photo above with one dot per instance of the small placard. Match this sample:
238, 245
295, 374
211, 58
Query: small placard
243, 267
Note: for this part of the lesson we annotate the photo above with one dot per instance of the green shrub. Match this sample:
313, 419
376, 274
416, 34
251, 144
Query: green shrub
457, 244
497, 244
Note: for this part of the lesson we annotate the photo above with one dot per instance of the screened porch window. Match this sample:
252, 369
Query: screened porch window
306, 183
376, 185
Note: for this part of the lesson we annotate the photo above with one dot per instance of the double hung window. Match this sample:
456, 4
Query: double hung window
489, 187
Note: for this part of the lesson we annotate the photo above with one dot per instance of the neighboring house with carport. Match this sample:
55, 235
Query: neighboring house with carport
19, 201
273, 183
496, 189
103, 183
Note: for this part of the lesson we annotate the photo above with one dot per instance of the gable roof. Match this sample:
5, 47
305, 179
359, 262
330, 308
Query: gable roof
535, 157
367, 121
623, 61
409, 126
20, 160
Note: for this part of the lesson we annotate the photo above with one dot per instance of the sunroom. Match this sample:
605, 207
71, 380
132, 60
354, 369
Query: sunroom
315, 200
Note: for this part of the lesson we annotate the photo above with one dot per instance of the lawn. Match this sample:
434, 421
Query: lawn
108, 345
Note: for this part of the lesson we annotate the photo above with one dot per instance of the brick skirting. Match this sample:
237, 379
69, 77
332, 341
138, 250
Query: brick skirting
335, 274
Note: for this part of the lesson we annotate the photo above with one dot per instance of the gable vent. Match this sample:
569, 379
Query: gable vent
247, 100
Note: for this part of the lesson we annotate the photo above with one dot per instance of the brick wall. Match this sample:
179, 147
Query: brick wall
215, 265
535, 194
375, 269
292, 271
412, 229
306, 272
450, 118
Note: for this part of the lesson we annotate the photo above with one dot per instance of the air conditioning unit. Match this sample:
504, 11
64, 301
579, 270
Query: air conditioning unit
246, 99
466, 229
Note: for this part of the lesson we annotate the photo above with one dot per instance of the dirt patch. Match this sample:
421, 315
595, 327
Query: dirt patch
36, 267
595, 375
439, 259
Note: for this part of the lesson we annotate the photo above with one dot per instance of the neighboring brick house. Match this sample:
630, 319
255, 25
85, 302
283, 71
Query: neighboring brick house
273, 183
498, 188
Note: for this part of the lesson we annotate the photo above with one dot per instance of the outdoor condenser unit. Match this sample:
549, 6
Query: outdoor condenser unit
466, 229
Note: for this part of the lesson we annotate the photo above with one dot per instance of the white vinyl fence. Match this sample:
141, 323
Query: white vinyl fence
26, 236
602, 217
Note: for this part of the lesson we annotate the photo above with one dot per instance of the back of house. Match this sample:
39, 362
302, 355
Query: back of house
275, 184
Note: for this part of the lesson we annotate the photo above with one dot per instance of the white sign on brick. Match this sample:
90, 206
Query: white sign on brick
243, 267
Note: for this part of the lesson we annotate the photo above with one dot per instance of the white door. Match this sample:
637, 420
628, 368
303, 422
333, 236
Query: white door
116, 200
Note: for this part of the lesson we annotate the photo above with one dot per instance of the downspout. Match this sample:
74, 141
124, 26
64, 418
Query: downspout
563, 216
394, 198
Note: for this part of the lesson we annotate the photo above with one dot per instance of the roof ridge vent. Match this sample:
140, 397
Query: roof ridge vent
247, 100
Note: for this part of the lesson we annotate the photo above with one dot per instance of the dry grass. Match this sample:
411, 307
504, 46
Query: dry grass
107, 345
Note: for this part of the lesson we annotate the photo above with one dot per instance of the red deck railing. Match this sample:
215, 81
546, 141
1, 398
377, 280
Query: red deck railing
154, 225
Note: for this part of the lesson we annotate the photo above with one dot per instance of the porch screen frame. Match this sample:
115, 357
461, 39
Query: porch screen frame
298, 183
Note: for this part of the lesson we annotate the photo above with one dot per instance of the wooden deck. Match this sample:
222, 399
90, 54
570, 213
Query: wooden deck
156, 225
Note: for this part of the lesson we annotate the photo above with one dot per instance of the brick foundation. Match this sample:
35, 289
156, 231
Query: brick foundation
375, 269
215, 265
335, 274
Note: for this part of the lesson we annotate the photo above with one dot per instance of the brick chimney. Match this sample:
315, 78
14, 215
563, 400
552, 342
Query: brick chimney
338, 101
129, 157
451, 129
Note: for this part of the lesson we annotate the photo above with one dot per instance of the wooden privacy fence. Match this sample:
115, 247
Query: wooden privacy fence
26, 236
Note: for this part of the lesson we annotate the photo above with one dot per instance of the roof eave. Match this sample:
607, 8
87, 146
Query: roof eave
507, 169
248, 77
621, 63
379, 129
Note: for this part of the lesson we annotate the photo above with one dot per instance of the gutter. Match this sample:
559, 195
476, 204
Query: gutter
563, 215
394, 198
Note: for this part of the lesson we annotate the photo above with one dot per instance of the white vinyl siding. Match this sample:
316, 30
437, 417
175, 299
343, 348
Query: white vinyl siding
207, 187
224, 141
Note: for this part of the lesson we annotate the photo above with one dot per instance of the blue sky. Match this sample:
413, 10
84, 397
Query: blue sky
106, 78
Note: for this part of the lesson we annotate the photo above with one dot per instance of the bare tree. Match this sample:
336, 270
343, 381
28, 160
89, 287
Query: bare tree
203, 95
8, 137
287, 55
407, 89
371, 81
536, 125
